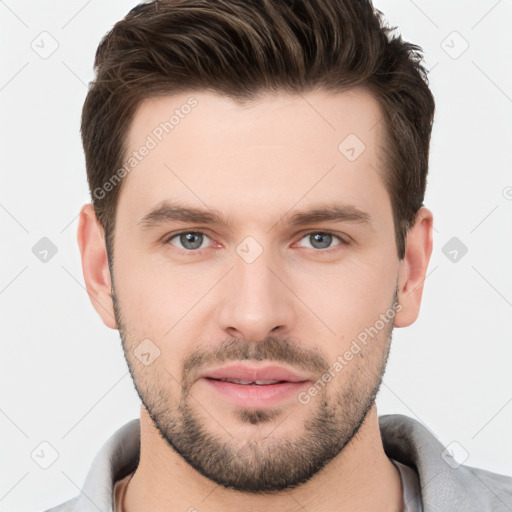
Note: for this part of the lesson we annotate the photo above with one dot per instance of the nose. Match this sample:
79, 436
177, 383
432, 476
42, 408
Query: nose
256, 301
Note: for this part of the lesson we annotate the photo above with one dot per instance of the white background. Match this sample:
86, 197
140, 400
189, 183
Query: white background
63, 375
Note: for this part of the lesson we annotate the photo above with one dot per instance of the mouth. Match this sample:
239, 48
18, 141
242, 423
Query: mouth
249, 382
240, 373
257, 394
254, 387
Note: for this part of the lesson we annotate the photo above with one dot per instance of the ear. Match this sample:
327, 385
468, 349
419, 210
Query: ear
413, 268
91, 241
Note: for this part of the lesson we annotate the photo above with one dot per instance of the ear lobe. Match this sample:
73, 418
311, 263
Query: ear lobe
413, 268
91, 241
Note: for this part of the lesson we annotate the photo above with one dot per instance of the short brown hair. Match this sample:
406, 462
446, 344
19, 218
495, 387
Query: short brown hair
242, 49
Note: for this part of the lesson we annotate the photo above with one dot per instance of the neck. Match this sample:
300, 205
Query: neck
360, 478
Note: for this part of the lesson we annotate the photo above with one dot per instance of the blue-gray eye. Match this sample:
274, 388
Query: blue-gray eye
189, 240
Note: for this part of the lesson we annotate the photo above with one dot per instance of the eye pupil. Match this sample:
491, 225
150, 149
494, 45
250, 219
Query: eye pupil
188, 238
325, 240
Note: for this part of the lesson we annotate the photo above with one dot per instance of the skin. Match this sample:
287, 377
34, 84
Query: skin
256, 163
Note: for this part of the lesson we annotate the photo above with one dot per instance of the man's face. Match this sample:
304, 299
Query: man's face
258, 291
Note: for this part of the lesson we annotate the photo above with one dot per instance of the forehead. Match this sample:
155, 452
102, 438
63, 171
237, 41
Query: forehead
263, 155
285, 116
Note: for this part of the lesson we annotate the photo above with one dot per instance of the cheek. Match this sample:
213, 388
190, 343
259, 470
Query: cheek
348, 297
142, 293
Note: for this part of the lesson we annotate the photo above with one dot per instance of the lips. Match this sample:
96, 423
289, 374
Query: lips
261, 376
255, 387
246, 382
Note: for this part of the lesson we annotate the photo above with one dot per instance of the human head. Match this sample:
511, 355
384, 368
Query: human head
249, 155
170, 46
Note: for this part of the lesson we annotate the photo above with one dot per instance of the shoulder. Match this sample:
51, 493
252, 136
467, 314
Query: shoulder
118, 456
499, 485
445, 483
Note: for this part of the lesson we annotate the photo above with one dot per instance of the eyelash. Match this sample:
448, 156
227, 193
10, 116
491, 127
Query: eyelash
339, 236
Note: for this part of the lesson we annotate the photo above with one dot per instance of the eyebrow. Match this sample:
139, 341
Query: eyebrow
168, 212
